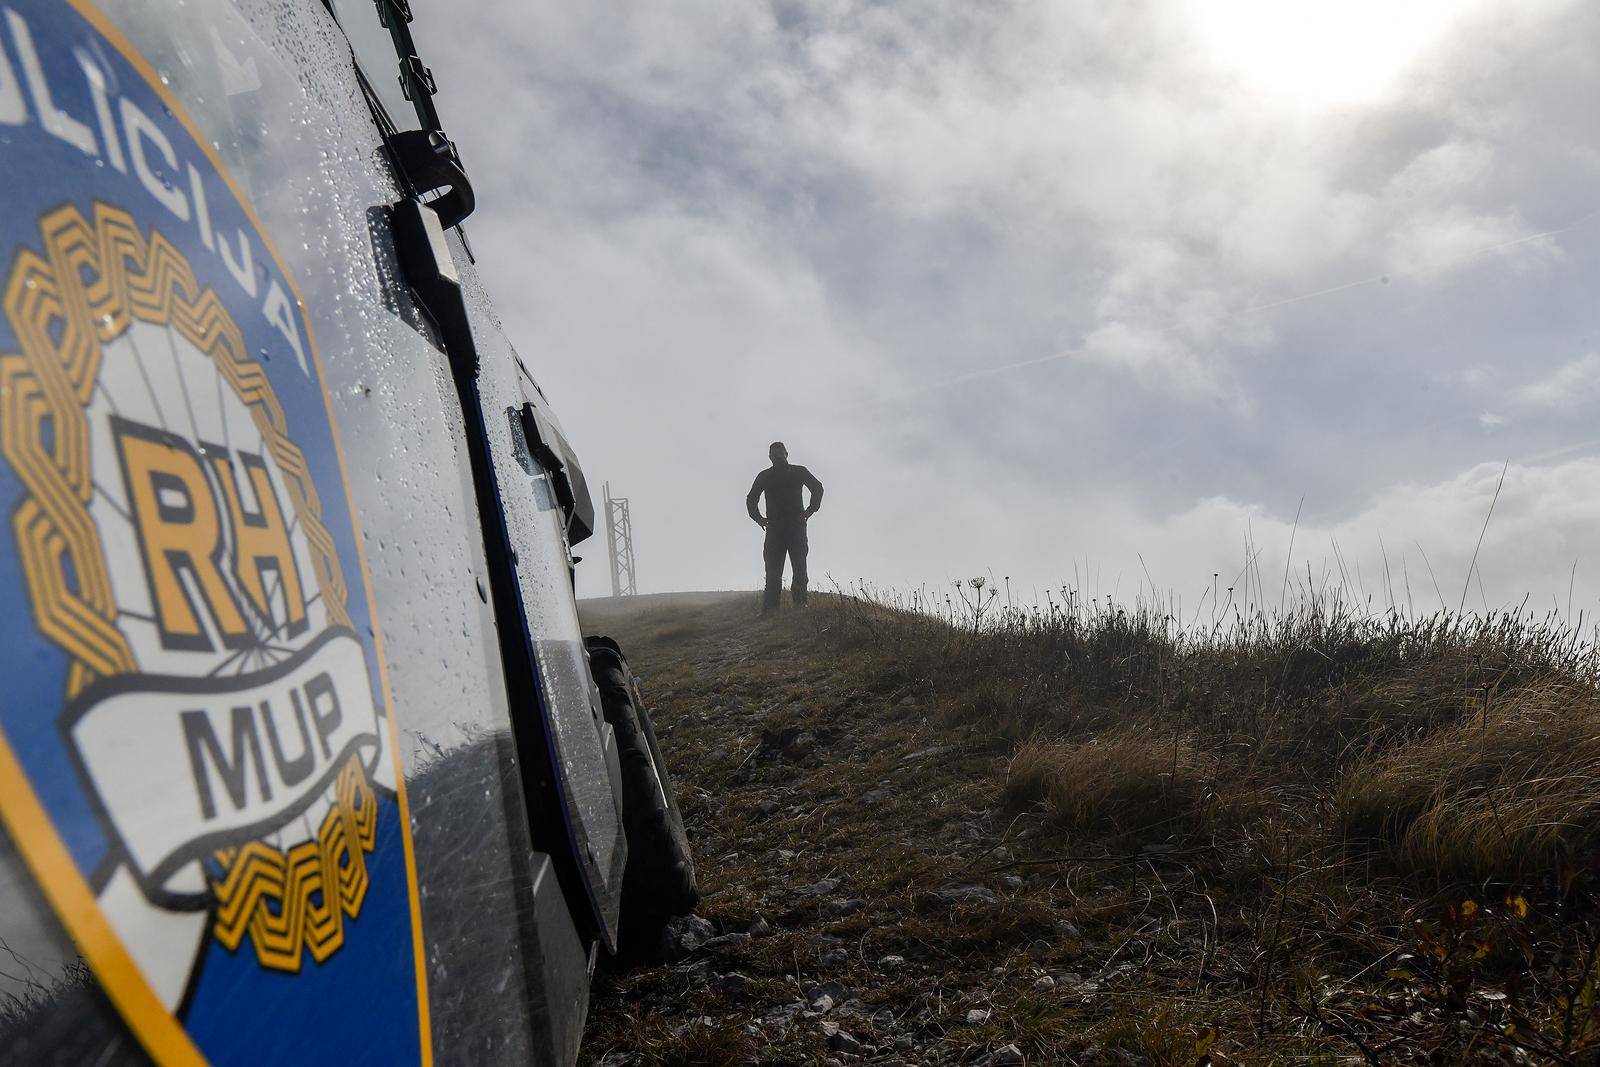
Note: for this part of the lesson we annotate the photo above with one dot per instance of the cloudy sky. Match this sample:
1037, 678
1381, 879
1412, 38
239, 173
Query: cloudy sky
1058, 289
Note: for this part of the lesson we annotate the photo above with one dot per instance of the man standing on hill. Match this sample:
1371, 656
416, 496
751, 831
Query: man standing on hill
785, 522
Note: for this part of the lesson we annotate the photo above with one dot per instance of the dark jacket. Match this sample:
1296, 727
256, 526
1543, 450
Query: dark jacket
782, 486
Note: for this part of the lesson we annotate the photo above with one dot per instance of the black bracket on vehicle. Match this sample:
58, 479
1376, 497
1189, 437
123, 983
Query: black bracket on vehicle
429, 161
430, 270
548, 458
426, 157
400, 8
415, 77
579, 518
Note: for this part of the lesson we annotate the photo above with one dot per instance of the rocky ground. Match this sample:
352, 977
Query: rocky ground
865, 896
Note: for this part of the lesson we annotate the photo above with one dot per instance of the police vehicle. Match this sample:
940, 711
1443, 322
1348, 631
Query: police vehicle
303, 755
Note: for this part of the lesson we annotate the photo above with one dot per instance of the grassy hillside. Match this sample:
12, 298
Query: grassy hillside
1100, 837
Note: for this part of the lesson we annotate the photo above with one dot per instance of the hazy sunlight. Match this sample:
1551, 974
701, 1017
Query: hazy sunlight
1322, 53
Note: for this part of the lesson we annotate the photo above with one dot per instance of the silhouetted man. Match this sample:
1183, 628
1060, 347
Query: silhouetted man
785, 522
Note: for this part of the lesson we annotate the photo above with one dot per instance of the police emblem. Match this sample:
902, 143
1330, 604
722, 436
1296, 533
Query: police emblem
196, 757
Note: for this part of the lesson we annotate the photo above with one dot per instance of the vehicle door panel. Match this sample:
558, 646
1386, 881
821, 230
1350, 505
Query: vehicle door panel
582, 750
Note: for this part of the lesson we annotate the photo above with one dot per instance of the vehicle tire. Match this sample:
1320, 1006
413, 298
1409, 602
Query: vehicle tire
659, 881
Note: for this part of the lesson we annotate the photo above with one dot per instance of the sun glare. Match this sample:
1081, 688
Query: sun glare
1348, 52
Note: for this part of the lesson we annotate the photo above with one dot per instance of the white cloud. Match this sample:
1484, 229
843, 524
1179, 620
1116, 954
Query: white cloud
1154, 359
1434, 242
1444, 171
1571, 385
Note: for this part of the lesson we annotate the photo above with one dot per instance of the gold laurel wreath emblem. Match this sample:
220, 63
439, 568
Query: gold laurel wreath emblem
293, 901
93, 280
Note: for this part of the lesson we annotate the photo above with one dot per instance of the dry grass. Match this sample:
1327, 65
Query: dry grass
1369, 727
1327, 771
1501, 795
1129, 779
1290, 839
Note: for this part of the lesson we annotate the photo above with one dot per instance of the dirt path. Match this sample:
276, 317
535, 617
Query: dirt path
861, 898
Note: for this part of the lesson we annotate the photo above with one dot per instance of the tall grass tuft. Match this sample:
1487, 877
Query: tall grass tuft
1502, 793
1127, 779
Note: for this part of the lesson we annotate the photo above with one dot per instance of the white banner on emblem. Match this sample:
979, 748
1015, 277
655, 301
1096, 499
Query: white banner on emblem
183, 766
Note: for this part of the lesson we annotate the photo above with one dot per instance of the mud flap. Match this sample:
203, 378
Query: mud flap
659, 881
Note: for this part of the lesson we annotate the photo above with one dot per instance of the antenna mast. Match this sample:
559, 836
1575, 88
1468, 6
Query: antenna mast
619, 541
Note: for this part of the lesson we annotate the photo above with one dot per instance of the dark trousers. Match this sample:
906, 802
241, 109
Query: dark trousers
784, 539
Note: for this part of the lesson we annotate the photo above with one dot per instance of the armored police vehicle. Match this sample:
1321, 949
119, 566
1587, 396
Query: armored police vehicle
303, 756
